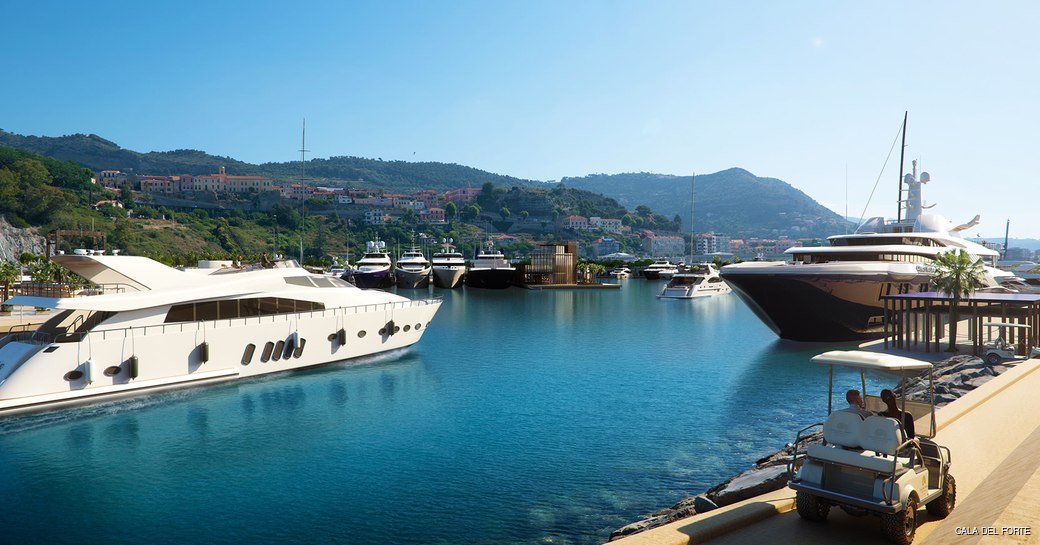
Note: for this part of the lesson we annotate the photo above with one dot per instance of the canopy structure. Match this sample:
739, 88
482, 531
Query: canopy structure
870, 360
912, 318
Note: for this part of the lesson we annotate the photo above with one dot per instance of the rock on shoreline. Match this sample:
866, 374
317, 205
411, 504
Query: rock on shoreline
954, 377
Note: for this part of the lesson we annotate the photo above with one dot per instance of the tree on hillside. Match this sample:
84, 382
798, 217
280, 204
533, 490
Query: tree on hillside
957, 275
451, 211
505, 212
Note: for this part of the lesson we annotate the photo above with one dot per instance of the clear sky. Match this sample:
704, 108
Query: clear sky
812, 93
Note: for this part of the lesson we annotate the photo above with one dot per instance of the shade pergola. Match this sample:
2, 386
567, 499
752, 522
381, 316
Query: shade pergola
911, 318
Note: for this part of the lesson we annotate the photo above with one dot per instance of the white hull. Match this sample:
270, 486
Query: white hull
171, 355
448, 276
695, 292
174, 328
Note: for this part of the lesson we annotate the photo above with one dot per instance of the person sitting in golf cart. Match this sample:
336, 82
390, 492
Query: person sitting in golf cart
856, 404
892, 411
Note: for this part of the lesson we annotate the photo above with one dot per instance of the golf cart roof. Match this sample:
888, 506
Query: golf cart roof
1005, 324
870, 360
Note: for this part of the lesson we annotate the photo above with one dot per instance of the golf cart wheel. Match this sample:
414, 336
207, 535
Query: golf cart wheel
810, 507
993, 358
900, 527
942, 505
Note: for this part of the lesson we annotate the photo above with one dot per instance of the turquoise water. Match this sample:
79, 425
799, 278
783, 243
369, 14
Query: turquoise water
521, 417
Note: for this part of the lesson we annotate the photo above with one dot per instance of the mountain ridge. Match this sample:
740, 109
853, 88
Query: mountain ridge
733, 202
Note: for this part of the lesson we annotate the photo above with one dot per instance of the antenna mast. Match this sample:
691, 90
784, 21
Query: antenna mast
303, 151
902, 152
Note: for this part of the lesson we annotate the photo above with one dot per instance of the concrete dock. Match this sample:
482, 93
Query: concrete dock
994, 435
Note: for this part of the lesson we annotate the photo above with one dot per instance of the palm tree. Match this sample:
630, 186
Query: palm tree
957, 275
9, 274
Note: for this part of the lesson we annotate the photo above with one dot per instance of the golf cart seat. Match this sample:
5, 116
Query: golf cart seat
877, 435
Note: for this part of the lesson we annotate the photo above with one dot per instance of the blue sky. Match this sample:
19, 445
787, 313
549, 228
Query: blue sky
801, 91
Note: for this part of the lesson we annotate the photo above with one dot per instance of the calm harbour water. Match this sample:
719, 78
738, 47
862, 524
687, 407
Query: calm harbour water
520, 417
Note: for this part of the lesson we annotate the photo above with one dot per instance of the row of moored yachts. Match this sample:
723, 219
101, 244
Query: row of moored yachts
446, 269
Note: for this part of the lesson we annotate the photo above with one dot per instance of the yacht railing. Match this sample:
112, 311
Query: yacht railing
41, 338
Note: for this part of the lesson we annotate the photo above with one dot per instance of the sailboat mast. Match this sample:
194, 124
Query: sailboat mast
1007, 229
902, 153
693, 235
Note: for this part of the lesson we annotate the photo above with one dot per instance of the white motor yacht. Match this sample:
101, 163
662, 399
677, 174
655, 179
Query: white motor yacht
700, 280
449, 267
833, 293
412, 270
154, 327
373, 270
620, 273
659, 269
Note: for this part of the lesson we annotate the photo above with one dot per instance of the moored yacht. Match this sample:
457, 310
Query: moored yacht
490, 270
699, 280
373, 270
449, 267
661, 268
154, 327
412, 270
833, 293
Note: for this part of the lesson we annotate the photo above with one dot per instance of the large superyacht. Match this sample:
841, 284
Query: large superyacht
833, 293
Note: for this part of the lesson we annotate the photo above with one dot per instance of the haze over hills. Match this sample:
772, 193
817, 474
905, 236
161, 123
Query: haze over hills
733, 202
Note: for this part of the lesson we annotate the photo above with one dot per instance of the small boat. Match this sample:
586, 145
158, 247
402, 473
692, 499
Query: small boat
701, 280
659, 269
195, 326
412, 270
449, 267
374, 269
490, 270
620, 273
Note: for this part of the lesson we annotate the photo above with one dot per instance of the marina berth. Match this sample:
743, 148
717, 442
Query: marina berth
154, 327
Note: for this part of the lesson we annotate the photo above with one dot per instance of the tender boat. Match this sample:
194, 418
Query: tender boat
833, 293
412, 270
620, 273
154, 327
659, 269
449, 267
701, 280
373, 270
490, 270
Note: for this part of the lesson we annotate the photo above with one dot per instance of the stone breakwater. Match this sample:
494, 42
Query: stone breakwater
954, 377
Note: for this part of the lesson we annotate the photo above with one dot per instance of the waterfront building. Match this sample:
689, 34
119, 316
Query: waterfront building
376, 217
663, 245
433, 215
605, 246
552, 264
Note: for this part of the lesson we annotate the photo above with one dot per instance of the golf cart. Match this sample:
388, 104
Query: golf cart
868, 465
999, 349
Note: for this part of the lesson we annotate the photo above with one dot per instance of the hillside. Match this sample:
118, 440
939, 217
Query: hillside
97, 154
734, 202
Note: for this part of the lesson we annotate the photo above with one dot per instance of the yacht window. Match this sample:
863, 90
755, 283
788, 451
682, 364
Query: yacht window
181, 313
248, 307
299, 349
300, 281
265, 356
279, 347
206, 311
247, 356
228, 309
268, 305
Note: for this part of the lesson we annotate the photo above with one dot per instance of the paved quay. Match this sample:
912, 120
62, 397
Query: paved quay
993, 432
